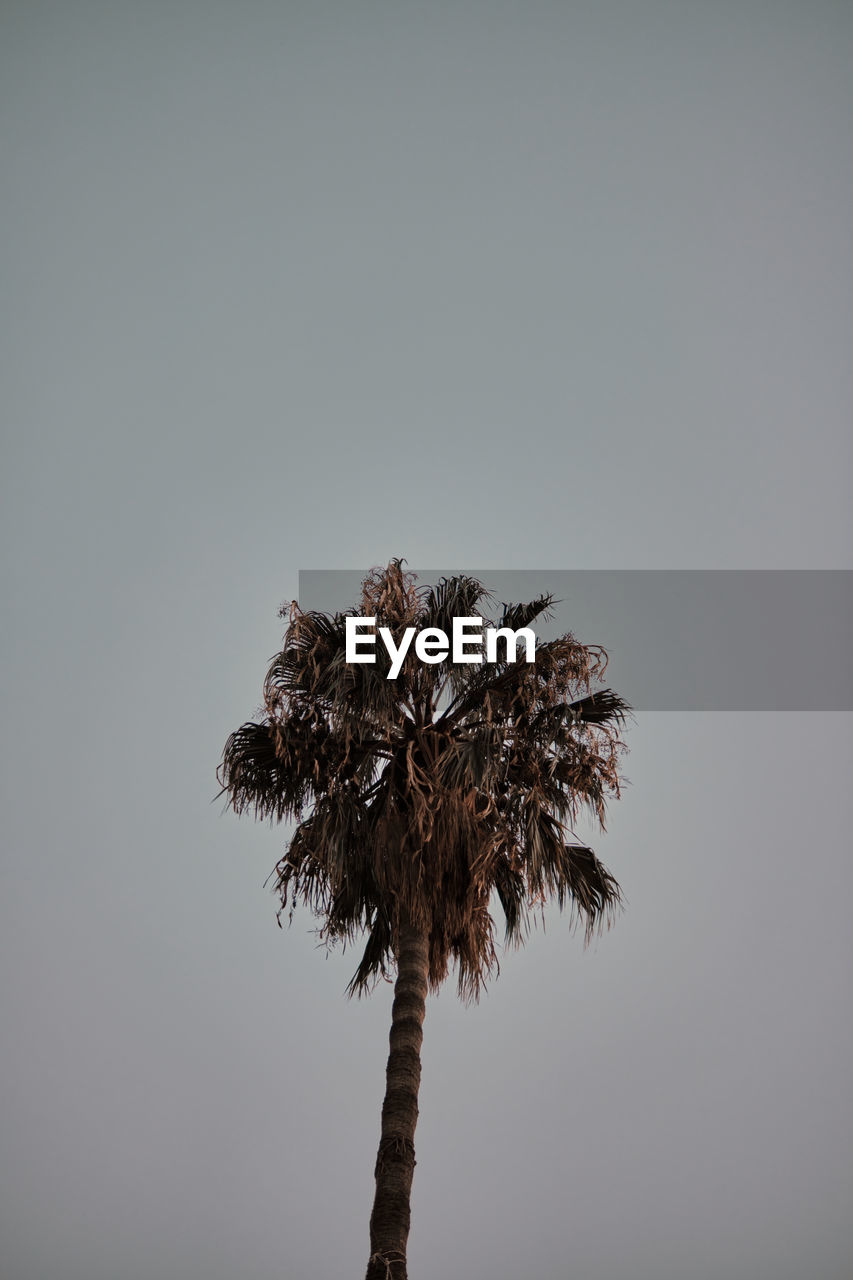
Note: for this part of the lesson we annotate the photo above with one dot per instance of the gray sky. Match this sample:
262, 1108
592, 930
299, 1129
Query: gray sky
294, 286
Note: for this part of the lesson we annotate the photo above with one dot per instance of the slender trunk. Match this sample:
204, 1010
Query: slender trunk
395, 1163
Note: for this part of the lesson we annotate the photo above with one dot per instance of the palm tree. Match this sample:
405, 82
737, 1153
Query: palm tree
420, 803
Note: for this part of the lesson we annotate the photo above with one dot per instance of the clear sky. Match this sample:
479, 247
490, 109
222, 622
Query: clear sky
311, 285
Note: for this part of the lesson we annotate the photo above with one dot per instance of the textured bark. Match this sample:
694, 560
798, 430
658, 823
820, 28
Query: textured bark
395, 1163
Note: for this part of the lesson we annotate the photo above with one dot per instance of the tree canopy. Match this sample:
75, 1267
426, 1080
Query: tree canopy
438, 799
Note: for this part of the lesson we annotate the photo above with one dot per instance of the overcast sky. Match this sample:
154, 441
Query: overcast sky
310, 285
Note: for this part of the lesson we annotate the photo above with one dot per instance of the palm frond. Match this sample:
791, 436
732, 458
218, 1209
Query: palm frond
253, 776
458, 597
521, 615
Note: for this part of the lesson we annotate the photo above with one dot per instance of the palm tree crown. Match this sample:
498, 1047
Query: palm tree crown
427, 797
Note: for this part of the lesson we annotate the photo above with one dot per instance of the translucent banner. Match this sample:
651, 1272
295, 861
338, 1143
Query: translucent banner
678, 640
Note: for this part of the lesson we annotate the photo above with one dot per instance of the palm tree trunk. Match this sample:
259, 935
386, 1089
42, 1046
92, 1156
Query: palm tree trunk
395, 1163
